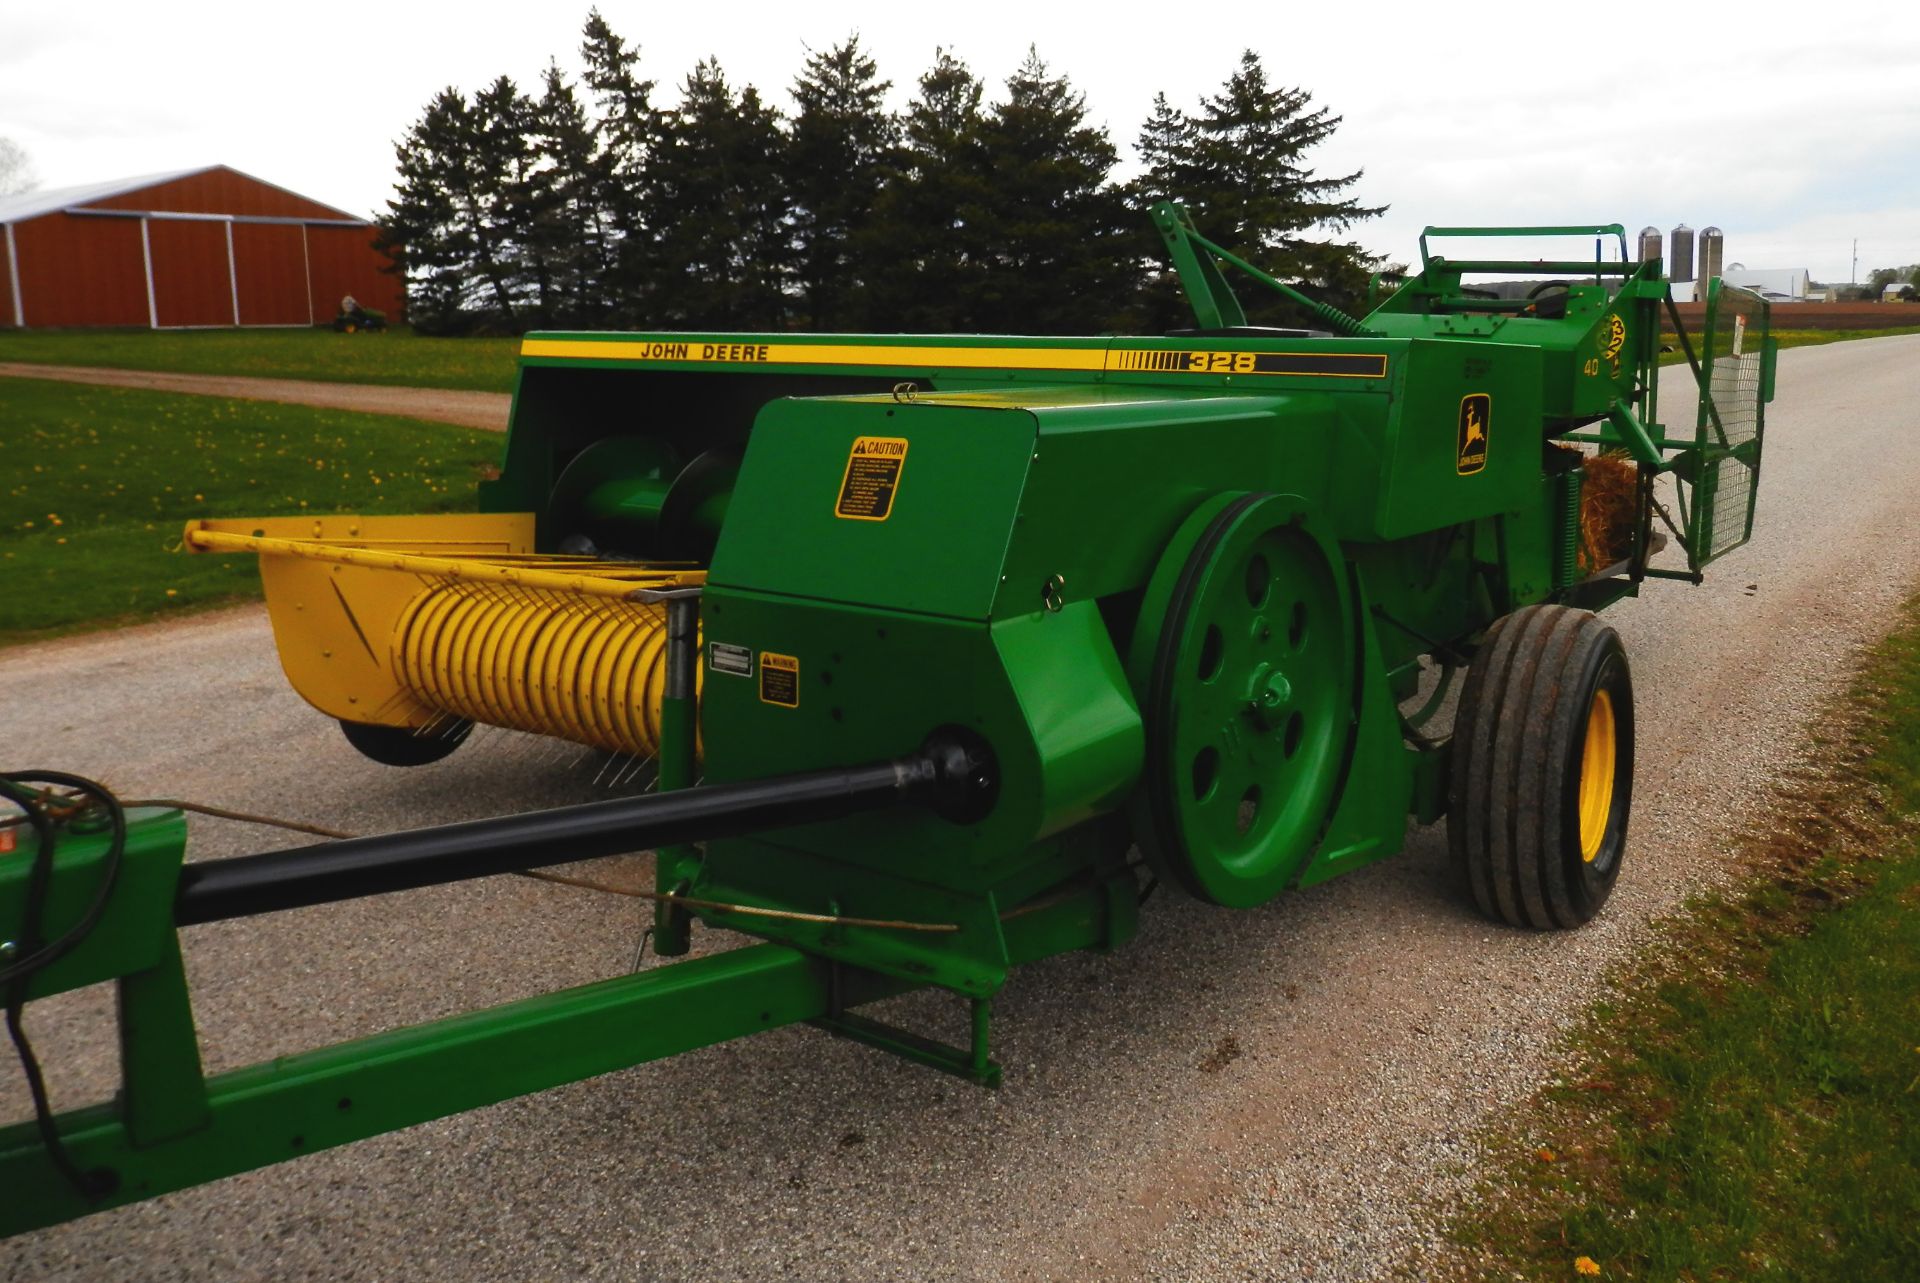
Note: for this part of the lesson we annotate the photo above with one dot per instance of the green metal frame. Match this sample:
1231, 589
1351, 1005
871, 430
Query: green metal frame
170, 1126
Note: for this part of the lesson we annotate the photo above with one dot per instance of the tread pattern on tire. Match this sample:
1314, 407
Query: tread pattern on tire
1521, 724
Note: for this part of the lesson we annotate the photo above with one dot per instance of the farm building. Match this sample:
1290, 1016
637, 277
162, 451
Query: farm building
198, 247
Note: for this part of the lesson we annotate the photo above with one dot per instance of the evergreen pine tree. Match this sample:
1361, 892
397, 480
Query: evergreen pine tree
840, 148
1055, 231
1241, 165
495, 200
719, 208
424, 232
1165, 147
567, 248
627, 129
925, 218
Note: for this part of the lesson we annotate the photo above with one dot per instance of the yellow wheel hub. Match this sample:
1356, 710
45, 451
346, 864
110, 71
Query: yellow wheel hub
1596, 775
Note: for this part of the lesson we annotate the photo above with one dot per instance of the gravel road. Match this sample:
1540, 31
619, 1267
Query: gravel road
486, 410
1377, 1021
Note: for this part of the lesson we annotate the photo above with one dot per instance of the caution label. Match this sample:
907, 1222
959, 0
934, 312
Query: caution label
779, 679
1476, 418
872, 478
737, 660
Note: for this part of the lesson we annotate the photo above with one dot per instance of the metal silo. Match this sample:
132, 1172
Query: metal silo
1649, 244
1713, 247
1680, 261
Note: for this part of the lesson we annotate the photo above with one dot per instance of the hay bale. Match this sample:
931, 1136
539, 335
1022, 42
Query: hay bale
1608, 512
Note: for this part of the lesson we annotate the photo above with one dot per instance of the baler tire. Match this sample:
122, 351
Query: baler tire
1542, 774
398, 746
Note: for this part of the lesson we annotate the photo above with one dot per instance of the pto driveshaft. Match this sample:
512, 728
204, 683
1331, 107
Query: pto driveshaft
947, 775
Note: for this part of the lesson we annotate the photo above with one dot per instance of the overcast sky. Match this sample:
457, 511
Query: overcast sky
1794, 135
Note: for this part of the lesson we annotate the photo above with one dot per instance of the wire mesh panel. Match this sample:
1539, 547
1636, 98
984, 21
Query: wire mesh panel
1731, 420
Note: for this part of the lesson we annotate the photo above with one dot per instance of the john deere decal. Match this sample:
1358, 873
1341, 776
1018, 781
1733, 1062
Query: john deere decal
1476, 417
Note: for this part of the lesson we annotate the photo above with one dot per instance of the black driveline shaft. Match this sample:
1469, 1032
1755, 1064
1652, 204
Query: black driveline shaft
355, 867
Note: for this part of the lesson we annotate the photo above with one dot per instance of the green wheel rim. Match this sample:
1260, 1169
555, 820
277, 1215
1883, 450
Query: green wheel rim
1250, 704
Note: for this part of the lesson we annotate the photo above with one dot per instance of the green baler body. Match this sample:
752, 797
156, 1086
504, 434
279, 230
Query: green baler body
1002, 591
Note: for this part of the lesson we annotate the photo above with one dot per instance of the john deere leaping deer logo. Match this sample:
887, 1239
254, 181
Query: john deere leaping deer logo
1476, 417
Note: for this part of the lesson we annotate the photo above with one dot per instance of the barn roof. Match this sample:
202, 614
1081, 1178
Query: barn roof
16, 209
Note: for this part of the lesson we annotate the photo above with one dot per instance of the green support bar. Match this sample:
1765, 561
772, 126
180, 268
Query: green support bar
1212, 299
1214, 304
675, 866
1634, 434
296, 1105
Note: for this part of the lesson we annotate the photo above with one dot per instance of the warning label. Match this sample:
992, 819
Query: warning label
722, 658
872, 478
779, 679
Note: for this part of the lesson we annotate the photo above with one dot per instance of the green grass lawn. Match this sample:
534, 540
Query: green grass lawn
1786, 338
1810, 338
397, 357
1751, 1108
96, 483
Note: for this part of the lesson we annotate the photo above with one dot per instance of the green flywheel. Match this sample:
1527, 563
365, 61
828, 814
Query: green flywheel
1244, 664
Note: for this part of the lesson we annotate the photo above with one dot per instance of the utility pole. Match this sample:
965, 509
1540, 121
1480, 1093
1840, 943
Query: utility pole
1855, 278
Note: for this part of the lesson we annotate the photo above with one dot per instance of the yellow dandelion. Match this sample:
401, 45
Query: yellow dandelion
1586, 1265
173, 592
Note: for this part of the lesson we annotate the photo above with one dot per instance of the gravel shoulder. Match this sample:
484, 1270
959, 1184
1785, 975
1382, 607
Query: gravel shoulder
1378, 1022
486, 410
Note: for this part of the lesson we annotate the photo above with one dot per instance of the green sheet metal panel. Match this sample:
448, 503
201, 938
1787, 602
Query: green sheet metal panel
1463, 441
937, 546
1112, 479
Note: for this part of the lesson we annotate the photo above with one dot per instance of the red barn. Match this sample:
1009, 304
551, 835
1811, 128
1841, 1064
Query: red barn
201, 247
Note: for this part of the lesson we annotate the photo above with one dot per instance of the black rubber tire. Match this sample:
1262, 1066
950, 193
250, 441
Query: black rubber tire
1513, 814
398, 746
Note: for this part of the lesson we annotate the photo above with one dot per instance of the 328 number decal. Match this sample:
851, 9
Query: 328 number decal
1220, 362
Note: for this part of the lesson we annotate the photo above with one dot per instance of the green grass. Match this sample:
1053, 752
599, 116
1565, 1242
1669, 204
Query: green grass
1787, 338
1813, 338
398, 357
1750, 1109
96, 483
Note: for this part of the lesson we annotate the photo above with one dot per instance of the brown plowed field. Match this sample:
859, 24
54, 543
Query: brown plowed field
1823, 316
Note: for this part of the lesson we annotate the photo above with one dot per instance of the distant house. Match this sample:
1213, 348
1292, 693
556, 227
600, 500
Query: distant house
1896, 291
194, 248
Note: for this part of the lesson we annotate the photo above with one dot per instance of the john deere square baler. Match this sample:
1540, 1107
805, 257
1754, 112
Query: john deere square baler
931, 643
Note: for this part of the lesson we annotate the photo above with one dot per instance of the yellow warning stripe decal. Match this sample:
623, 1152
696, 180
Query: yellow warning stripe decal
1337, 365
972, 358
